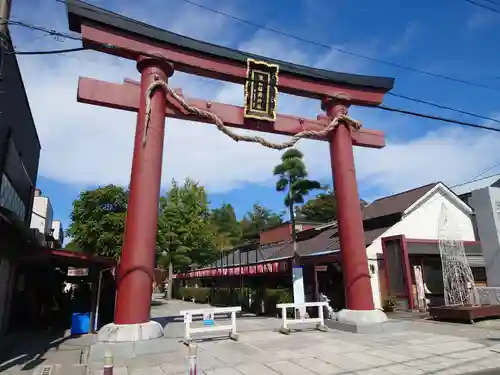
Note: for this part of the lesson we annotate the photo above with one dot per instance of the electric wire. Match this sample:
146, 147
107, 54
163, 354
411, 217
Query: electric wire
484, 6
340, 50
53, 32
405, 97
48, 52
437, 118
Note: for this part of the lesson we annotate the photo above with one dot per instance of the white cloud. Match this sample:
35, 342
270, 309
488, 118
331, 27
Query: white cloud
87, 145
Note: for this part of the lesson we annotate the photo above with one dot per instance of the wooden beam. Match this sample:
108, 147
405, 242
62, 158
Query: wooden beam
126, 96
110, 41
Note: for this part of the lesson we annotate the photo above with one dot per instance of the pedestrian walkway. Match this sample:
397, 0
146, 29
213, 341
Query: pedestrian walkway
23, 352
422, 348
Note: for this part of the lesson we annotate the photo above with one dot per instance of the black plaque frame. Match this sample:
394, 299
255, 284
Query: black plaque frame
261, 90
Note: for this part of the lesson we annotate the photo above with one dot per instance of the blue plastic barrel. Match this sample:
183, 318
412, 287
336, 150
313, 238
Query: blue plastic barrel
80, 323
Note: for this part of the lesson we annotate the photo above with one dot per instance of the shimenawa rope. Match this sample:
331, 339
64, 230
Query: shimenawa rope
237, 137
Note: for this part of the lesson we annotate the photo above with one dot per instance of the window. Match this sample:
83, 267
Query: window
10, 199
479, 274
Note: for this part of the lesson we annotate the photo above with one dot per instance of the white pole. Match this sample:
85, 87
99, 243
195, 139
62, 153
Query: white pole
5, 6
96, 319
192, 359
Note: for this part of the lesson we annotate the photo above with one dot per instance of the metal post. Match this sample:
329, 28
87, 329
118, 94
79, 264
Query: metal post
96, 315
192, 359
5, 6
108, 363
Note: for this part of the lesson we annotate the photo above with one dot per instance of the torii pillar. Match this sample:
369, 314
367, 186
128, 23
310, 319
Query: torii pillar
357, 280
135, 278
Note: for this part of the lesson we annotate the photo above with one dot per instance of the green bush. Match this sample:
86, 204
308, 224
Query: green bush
199, 295
269, 298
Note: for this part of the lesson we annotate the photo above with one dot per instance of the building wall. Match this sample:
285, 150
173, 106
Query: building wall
486, 204
58, 232
16, 118
421, 223
19, 158
42, 216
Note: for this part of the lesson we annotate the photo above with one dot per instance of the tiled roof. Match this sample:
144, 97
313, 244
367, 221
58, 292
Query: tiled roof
79, 11
396, 203
323, 242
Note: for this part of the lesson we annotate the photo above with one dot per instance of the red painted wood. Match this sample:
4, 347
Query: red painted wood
208, 66
406, 267
407, 272
135, 282
357, 281
126, 96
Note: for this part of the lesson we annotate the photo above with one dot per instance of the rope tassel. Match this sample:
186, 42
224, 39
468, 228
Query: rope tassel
356, 125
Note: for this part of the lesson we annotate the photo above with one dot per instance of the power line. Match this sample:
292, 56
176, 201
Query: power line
437, 118
485, 6
386, 108
442, 107
49, 52
56, 33
304, 40
492, 2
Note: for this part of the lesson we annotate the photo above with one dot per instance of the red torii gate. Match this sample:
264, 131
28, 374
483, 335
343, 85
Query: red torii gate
158, 53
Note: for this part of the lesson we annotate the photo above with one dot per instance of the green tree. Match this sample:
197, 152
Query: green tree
185, 233
98, 221
258, 220
72, 246
292, 175
226, 225
322, 208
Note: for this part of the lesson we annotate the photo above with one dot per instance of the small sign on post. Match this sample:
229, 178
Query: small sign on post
322, 268
208, 318
261, 90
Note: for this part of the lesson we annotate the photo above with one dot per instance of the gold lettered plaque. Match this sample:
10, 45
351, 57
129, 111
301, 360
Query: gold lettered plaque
261, 90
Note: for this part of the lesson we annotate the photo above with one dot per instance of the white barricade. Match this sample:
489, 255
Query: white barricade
209, 315
320, 320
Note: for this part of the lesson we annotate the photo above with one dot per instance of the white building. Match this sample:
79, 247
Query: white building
401, 234
42, 219
413, 241
58, 233
484, 197
43, 213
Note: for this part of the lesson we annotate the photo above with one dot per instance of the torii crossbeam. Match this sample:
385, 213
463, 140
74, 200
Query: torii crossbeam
158, 54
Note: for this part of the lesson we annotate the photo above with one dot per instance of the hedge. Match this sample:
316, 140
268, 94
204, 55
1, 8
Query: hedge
263, 299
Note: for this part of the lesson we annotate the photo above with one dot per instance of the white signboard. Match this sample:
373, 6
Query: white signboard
187, 318
208, 318
321, 268
298, 288
78, 271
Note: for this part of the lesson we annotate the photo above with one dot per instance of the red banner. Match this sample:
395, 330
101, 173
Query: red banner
255, 269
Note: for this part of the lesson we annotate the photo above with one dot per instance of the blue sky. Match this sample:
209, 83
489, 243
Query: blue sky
85, 146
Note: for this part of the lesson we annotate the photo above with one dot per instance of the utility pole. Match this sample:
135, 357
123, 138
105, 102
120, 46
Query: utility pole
5, 6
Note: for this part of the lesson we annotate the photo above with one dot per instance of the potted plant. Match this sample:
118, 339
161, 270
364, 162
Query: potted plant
389, 304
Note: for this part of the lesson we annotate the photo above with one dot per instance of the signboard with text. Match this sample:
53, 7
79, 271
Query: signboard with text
261, 90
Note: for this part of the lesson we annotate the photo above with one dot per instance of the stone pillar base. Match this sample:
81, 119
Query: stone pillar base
364, 321
361, 316
130, 332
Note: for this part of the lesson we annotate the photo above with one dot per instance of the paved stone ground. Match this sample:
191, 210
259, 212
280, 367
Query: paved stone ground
422, 348
22, 353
